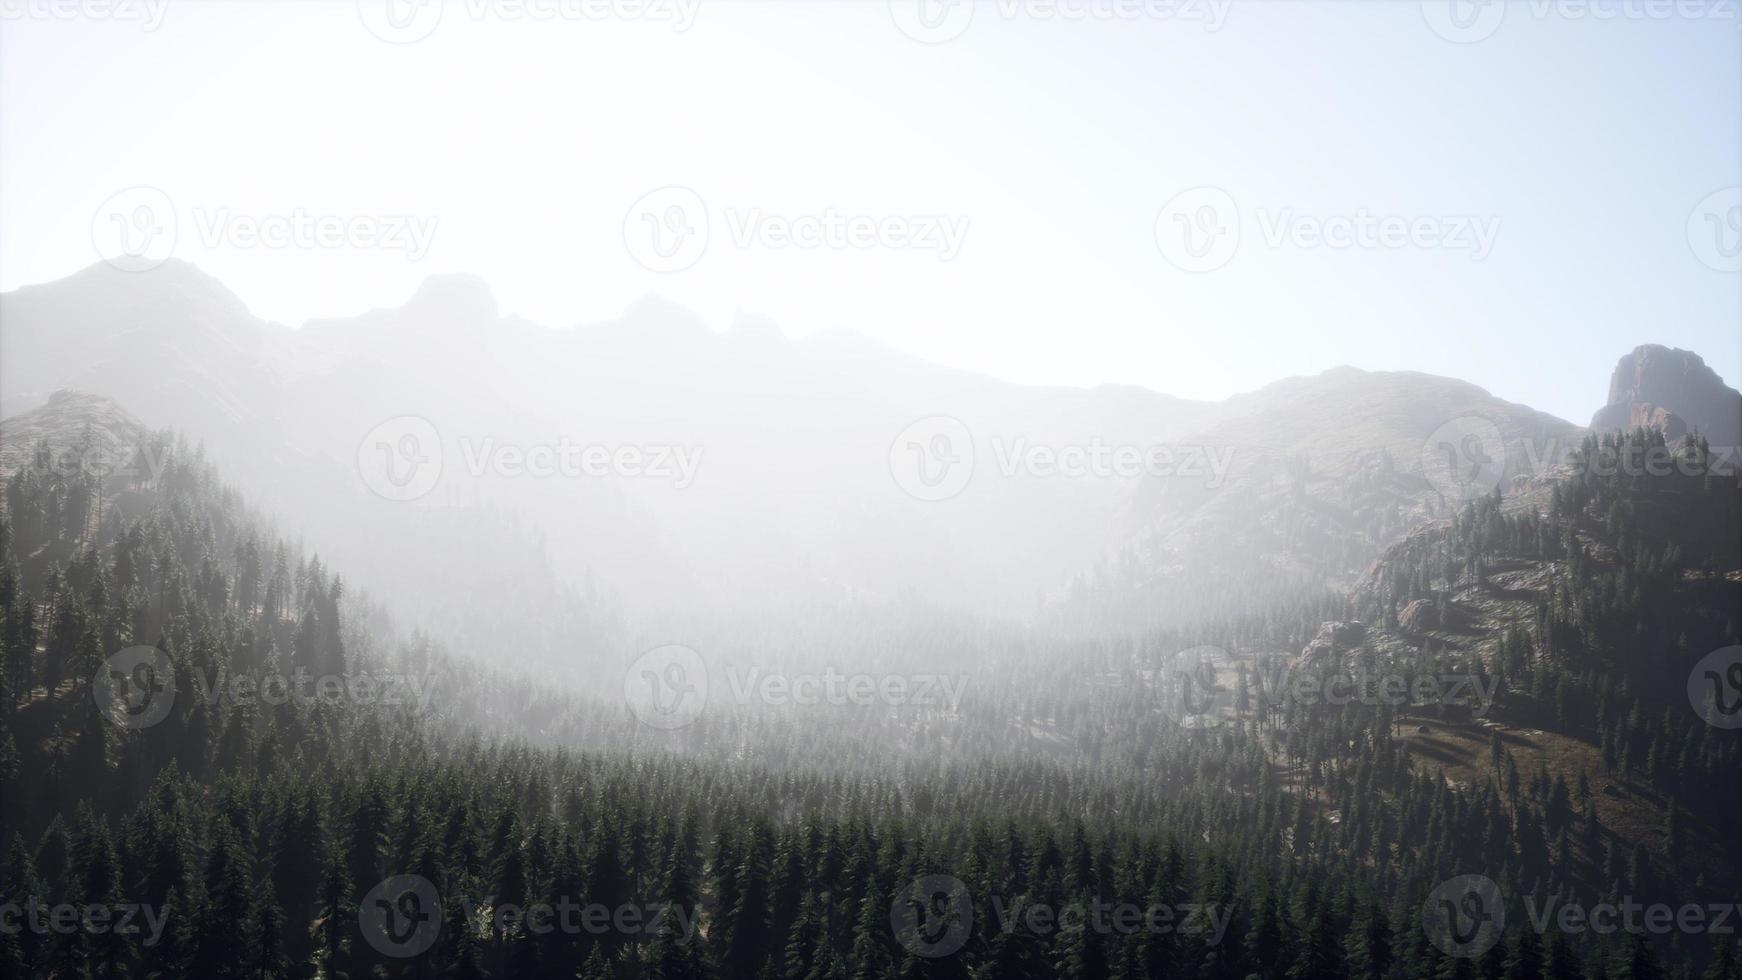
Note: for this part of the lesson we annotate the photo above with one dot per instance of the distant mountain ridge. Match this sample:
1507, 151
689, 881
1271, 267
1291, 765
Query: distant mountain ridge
795, 497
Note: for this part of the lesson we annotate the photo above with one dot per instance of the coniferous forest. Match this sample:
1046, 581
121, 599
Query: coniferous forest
874, 490
490, 829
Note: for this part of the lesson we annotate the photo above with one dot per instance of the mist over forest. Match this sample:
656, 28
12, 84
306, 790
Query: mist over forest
677, 490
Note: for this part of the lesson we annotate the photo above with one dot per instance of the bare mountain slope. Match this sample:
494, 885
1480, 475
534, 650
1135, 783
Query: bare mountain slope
1325, 472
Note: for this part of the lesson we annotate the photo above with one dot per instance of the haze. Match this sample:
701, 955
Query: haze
526, 140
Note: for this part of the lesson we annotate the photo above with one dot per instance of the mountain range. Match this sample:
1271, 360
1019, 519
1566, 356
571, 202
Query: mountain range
797, 492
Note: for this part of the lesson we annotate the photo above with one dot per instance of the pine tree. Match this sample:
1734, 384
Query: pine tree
21, 884
1524, 960
224, 928
1368, 946
1264, 942
268, 959
336, 923
1078, 953
1320, 953
168, 958
596, 967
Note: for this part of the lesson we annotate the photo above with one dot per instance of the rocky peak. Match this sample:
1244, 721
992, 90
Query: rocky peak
87, 433
1673, 390
455, 300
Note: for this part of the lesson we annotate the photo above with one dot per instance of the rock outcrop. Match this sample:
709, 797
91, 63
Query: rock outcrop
1672, 390
1339, 637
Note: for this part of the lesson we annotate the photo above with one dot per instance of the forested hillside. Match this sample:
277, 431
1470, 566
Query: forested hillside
1082, 811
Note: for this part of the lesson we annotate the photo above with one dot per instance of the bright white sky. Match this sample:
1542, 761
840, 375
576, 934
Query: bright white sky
1590, 140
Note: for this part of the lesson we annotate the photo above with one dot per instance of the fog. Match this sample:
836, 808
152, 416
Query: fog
881, 490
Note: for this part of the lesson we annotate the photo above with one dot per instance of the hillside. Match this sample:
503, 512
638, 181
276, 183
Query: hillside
1594, 599
260, 832
1326, 473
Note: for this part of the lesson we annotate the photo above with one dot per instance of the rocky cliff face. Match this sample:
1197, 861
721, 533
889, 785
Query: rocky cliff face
1673, 390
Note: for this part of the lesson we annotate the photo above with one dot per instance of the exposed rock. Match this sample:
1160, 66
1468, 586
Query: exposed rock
1419, 616
1674, 391
1426, 615
1339, 636
85, 434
